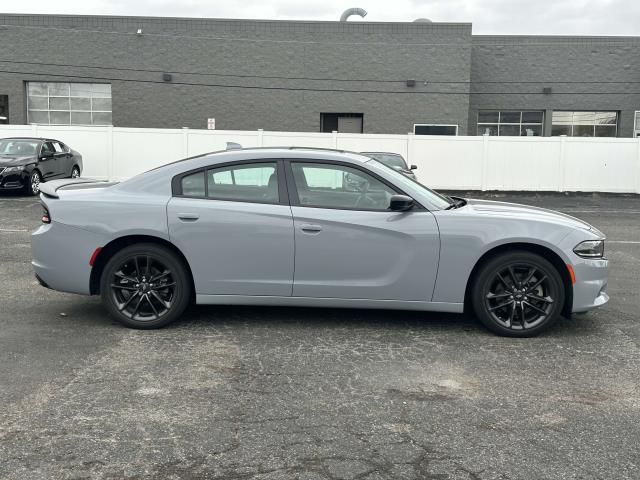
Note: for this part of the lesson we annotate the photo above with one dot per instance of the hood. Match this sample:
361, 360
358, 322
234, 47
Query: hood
516, 210
14, 161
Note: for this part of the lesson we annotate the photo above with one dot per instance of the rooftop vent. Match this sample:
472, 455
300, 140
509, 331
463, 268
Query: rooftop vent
361, 12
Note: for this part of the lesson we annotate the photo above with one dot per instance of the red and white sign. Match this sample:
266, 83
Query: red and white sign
211, 123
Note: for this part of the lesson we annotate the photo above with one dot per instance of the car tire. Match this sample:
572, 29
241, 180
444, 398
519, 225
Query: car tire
33, 183
518, 294
145, 286
75, 172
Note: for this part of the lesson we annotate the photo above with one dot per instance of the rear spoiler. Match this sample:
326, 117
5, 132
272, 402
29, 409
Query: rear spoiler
50, 189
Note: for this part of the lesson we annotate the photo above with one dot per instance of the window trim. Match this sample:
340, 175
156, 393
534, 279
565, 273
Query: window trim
594, 125
499, 123
437, 125
176, 181
70, 111
294, 199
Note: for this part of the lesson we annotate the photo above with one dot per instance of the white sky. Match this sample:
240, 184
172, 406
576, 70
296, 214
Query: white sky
580, 17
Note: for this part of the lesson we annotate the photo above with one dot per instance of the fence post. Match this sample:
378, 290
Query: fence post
484, 162
110, 153
185, 142
260, 137
410, 137
638, 168
334, 134
561, 163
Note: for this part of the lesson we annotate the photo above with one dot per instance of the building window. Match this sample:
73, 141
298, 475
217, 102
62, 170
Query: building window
510, 123
585, 124
69, 103
434, 129
4, 109
341, 122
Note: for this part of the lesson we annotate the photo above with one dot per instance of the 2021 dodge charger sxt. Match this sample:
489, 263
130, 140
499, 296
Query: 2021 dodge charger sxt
308, 227
26, 162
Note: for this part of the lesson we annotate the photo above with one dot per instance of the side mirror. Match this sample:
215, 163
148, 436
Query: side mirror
401, 203
413, 167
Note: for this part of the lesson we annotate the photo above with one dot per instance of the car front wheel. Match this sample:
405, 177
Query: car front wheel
145, 286
33, 183
75, 172
518, 294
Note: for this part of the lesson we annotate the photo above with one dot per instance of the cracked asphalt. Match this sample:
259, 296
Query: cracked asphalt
292, 393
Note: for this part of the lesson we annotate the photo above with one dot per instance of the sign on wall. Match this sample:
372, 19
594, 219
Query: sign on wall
211, 123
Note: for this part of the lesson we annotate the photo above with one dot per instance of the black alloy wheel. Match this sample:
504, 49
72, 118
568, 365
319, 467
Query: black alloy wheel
518, 294
75, 172
145, 286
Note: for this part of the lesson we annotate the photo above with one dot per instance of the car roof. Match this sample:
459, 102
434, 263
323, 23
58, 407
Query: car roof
255, 153
37, 139
382, 153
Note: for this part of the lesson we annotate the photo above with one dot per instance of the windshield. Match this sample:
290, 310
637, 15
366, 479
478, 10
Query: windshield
389, 159
438, 200
19, 148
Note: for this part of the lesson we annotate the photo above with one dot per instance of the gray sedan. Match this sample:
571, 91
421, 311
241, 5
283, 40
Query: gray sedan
308, 227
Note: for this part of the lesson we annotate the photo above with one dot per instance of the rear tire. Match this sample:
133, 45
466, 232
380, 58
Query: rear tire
518, 294
145, 286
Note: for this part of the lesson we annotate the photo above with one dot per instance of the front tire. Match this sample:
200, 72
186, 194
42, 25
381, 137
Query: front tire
33, 183
75, 172
145, 286
518, 294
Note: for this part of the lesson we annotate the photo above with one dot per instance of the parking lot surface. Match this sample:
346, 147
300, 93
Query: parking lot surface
278, 393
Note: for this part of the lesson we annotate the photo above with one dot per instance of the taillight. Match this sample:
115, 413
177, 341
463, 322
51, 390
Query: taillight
46, 218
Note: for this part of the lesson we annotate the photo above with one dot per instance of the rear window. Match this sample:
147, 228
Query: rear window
193, 185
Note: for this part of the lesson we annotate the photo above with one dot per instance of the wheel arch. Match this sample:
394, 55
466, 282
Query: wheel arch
541, 250
118, 244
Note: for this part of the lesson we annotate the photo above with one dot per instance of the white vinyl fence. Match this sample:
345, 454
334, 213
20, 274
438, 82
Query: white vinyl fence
448, 163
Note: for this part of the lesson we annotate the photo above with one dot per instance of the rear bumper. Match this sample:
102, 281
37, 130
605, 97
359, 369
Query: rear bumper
590, 289
61, 257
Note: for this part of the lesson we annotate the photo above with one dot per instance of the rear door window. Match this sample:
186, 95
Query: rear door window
252, 182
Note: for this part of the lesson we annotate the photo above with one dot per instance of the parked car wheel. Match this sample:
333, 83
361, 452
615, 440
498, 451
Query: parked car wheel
75, 172
33, 185
518, 294
145, 286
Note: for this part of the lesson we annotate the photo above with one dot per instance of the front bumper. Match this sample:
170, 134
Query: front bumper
590, 289
13, 181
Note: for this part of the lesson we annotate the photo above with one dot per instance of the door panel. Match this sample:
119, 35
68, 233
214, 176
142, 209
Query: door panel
49, 165
234, 248
365, 254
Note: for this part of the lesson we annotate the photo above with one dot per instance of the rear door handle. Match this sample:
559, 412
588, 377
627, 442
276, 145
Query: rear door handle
188, 217
311, 228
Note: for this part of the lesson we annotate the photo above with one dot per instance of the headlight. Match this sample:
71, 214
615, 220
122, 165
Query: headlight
14, 169
590, 249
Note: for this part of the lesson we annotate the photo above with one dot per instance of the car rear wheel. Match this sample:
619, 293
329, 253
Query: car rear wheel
145, 286
518, 294
33, 184
75, 172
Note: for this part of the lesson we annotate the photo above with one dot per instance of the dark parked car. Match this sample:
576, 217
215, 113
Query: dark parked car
395, 161
26, 162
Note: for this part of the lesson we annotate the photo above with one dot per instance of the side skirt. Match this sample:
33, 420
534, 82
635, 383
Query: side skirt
329, 303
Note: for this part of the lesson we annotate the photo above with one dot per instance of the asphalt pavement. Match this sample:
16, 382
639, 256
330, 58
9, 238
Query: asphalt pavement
280, 393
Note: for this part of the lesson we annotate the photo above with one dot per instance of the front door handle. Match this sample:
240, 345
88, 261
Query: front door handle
188, 217
311, 228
